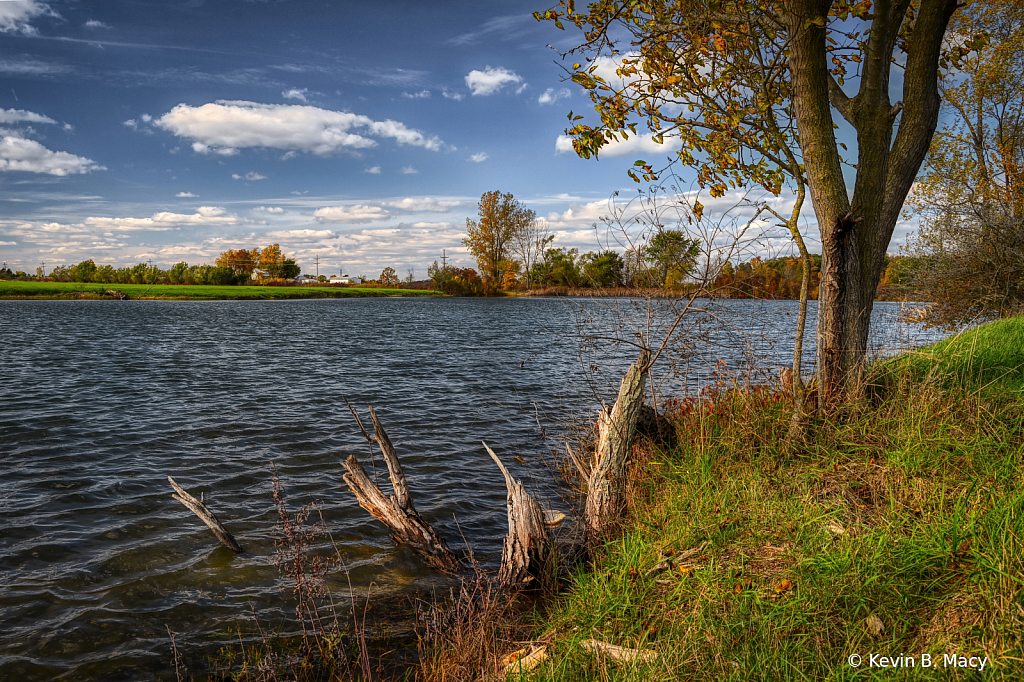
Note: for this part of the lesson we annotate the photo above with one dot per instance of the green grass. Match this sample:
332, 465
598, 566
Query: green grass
72, 290
908, 508
990, 357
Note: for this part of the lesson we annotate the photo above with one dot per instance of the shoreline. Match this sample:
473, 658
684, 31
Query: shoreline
73, 291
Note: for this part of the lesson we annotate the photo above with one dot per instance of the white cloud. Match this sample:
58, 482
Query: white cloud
359, 213
146, 118
8, 243
373, 170
19, 115
551, 95
451, 94
408, 170
295, 93
31, 67
413, 204
300, 235
251, 175
274, 210
20, 154
165, 220
15, 15
422, 94
93, 23
491, 80
635, 145
479, 157
223, 127
186, 195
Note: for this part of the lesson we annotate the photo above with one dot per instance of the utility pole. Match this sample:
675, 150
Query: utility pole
444, 259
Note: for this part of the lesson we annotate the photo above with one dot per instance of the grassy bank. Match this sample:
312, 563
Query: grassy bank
186, 292
896, 529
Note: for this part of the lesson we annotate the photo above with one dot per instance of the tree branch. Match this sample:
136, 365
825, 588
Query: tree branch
840, 100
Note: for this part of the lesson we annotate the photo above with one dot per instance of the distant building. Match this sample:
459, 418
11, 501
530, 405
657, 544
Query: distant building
305, 279
343, 279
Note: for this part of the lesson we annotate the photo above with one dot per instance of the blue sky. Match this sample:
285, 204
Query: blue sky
174, 129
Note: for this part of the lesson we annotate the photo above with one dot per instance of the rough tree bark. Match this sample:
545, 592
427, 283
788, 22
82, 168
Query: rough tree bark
527, 546
396, 512
855, 231
206, 516
606, 484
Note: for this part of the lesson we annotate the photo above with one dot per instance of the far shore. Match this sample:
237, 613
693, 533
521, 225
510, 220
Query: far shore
188, 292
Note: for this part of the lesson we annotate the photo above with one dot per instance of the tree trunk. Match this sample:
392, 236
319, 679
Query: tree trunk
527, 546
855, 232
397, 512
607, 482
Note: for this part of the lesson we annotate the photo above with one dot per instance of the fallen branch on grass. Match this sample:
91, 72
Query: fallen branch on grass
670, 562
617, 653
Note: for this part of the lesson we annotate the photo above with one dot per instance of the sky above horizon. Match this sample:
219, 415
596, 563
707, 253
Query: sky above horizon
173, 130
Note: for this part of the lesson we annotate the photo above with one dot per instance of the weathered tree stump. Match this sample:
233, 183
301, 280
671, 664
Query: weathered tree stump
606, 484
527, 546
396, 512
206, 516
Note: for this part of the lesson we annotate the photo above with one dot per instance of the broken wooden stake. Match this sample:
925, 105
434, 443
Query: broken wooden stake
397, 512
527, 545
606, 483
206, 516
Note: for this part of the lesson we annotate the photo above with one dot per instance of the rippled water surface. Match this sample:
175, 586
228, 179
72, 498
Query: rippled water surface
101, 401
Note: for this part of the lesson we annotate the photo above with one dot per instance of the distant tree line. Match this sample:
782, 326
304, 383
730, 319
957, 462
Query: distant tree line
232, 267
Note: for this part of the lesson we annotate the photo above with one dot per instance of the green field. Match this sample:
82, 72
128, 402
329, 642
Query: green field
186, 292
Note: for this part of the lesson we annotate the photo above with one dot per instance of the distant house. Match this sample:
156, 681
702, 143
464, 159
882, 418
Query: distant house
343, 279
305, 279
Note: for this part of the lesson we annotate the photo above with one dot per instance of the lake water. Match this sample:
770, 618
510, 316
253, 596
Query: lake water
101, 401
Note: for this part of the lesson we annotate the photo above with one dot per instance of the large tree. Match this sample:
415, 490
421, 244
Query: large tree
749, 92
490, 239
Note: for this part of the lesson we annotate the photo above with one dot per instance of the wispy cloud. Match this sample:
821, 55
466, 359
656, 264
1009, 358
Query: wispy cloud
186, 195
506, 27
28, 66
251, 175
413, 204
359, 213
451, 94
93, 23
550, 96
479, 157
373, 170
408, 170
422, 94
295, 93
20, 115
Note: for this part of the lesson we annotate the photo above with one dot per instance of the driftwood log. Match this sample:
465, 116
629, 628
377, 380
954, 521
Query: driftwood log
206, 516
528, 544
396, 512
606, 483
